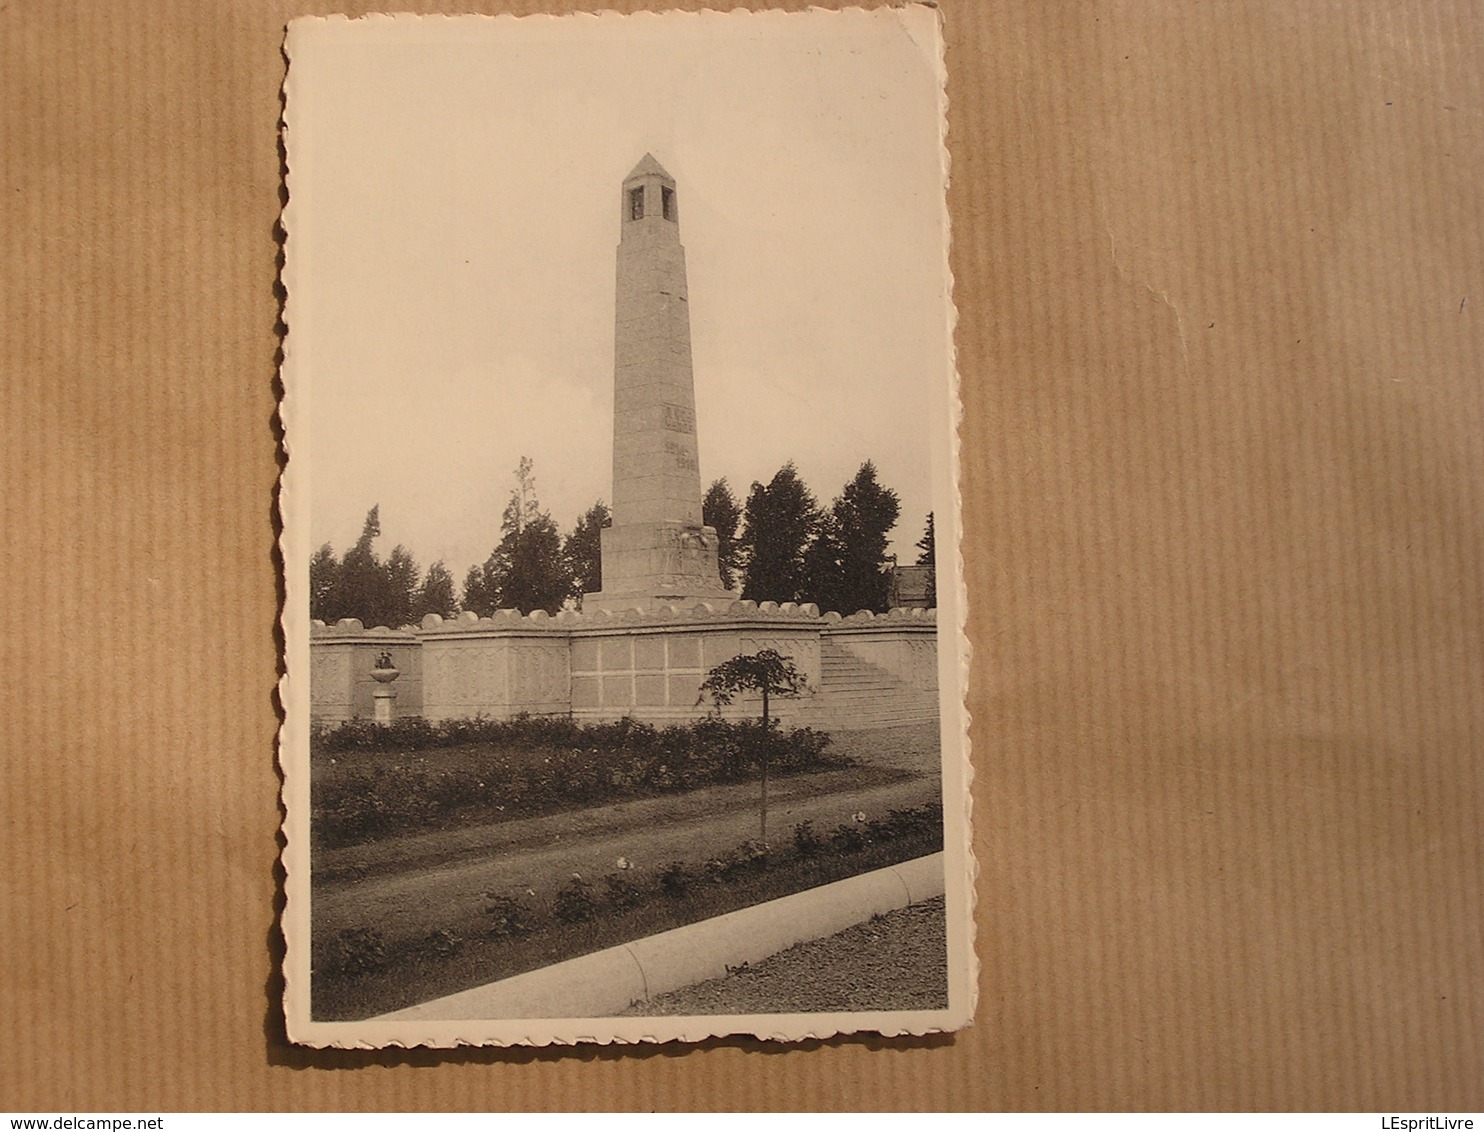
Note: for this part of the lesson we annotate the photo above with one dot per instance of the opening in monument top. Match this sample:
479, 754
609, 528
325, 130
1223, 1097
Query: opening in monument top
667, 202
636, 203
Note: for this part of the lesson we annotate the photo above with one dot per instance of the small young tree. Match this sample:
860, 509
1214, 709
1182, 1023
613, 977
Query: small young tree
767, 672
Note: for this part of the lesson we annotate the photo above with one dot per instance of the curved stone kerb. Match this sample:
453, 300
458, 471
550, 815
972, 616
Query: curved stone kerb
609, 981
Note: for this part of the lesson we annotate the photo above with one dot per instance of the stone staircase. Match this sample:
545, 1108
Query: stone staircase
855, 693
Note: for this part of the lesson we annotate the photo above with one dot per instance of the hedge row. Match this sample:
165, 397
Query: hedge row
533, 766
413, 733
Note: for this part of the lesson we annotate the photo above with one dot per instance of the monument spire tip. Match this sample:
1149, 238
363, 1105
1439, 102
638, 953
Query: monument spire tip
647, 167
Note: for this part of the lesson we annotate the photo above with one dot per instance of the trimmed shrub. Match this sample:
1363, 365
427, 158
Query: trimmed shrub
508, 916
677, 879
745, 860
575, 903
621, 893
849, 839
807, 843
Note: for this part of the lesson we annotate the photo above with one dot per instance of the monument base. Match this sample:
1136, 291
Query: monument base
605, 601
648, 565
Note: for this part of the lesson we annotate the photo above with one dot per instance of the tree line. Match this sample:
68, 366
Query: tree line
780, 545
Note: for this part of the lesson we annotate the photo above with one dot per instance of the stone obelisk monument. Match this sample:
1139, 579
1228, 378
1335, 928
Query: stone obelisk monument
657, 549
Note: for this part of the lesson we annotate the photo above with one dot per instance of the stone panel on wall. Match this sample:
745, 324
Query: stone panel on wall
649, 652
685, 690
330, 684
718, 648
584, 655
585, 692
684, 652
618, 691
539, 675
616, 654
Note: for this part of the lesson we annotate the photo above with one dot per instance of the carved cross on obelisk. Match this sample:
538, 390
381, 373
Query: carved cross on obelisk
657, 549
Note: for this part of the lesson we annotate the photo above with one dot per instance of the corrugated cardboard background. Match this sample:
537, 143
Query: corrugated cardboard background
1219, 275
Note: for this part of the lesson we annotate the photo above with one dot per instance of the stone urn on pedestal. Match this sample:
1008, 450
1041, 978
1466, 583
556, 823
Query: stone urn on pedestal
384, 696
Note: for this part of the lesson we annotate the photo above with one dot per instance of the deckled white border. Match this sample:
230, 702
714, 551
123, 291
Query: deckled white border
923, 24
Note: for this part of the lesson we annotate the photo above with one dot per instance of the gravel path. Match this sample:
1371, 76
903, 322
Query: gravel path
894, 962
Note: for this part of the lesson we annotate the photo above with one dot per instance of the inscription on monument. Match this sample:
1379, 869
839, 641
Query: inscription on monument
679, 419
682, 456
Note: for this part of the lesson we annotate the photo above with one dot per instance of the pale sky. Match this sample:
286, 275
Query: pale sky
454, 216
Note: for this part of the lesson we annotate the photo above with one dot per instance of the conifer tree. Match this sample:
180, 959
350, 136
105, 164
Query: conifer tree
780, 523
582, 553
478, 596
526, 570
324, 572
928, 545
360, 579
719, 509
847, 561
436, 594
399, 589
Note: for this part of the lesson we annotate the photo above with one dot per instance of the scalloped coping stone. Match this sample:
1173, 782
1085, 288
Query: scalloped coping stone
606, 982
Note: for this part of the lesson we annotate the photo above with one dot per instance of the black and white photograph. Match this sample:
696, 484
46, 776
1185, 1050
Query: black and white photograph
624, 617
